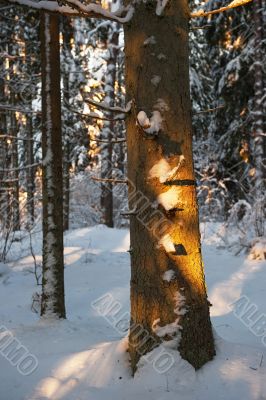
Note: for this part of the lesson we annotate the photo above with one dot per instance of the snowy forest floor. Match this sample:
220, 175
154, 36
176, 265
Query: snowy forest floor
84, 357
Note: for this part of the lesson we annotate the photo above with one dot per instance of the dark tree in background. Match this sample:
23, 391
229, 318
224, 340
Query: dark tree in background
53, 301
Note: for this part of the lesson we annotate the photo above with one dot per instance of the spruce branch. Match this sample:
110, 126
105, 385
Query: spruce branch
233, 4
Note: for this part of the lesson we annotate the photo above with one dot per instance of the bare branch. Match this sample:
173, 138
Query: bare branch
195, 28
17, 138
119, 117
8, 181
104, 106
209, 110
233, 4
129, 212
109, 141
9, 107
110, 180
20, 168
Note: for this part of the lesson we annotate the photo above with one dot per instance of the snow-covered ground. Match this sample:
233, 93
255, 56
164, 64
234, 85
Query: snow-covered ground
84, 357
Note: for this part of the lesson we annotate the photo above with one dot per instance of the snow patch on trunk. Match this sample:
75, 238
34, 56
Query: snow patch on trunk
169, 199
163, 171
169, 275
151, 126
167, 243
161, 4
173, 328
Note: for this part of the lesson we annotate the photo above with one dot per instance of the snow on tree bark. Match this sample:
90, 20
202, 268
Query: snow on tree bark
176, 246
108, 129
259, 114
53, 304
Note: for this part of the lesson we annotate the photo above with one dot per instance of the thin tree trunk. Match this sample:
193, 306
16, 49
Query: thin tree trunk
30, 173
15, 170
53, 304
15, 213
66, 183
108, 130
167, 278
67, 30
259, 109
4, 198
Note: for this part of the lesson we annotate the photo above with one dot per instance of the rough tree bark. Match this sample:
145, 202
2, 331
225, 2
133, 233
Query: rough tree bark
15, 172
4, 193
259, 109
109, 126
53, 304
167, 277
14, 185
30, 172
68, 34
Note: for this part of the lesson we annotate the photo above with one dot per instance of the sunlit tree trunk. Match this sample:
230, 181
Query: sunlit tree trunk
167, 278
53, 304
13, 130
15, 172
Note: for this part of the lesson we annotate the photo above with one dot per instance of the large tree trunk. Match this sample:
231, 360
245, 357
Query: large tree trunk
53, 304
167, 277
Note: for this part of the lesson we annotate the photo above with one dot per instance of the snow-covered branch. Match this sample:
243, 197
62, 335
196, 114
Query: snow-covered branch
106, 107
20, 168
9, 107
93, 115
74, 8
209, 110
109, 180
112, 141
17, 138
233, 4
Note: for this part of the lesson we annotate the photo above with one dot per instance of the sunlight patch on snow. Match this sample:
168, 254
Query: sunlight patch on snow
95, 364
72, 254
99, 239
78, 358
227, 292
238, 370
